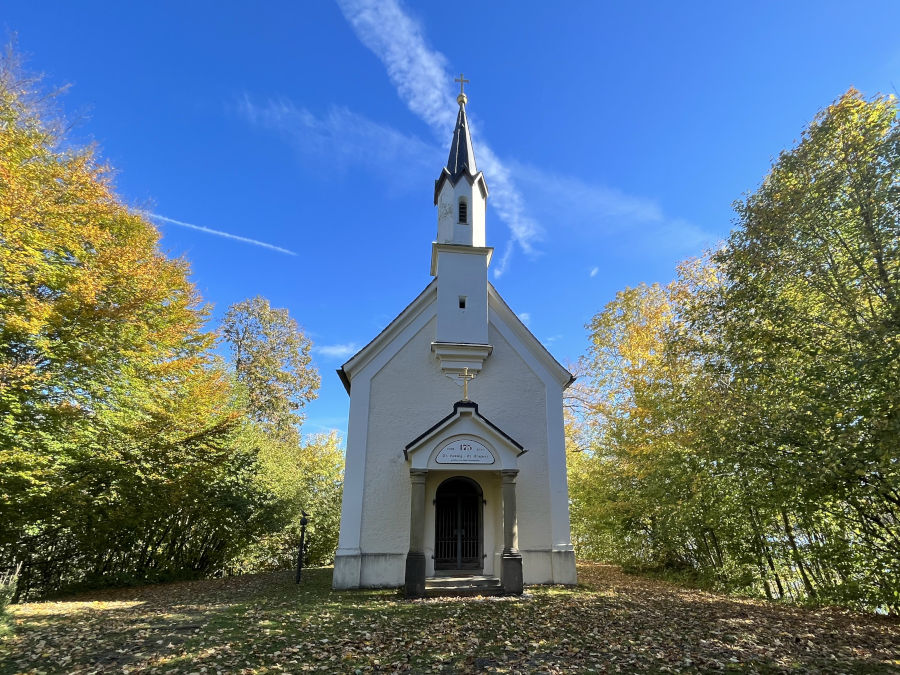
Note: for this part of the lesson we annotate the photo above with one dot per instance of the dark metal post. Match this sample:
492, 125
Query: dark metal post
303, 523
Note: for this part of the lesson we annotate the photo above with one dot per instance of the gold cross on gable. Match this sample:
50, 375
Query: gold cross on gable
462, 82
465, 377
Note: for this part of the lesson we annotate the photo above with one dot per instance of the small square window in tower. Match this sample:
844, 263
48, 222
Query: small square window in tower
463, 211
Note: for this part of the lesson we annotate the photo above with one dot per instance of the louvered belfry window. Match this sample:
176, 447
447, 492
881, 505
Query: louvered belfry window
463, 211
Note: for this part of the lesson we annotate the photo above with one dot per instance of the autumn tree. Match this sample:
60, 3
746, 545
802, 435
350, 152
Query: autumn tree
743, 421
807, 333
271, 360
125, 453
638, 454
271, 357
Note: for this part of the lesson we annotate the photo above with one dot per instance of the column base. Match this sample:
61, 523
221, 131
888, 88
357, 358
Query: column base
511, 573
415, 575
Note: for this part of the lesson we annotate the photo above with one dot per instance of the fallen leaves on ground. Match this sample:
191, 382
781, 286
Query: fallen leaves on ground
612, 622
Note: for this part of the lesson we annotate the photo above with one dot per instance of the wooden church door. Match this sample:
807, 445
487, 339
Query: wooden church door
458, 526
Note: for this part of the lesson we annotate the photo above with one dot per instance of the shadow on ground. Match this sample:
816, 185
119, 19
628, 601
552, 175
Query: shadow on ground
266, 624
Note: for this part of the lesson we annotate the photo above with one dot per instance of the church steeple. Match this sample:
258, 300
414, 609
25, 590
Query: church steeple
462, 157
460, 192
459, 257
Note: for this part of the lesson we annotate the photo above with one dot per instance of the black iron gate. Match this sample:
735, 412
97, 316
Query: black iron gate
457, 528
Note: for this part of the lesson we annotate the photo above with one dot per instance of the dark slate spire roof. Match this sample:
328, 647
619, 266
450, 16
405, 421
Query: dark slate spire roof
461, 161
462, 157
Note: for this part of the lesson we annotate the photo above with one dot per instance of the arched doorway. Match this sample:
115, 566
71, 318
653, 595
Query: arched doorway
458, 526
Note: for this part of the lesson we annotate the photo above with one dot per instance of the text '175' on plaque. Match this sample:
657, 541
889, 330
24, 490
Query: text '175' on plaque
464, 451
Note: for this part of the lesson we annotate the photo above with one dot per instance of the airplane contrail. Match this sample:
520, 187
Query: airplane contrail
218, 233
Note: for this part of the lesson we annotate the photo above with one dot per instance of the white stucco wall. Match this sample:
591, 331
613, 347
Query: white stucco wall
400, 394
450, 230
462, 275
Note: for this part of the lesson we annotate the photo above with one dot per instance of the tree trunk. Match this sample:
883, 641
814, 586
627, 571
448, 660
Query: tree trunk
795, 552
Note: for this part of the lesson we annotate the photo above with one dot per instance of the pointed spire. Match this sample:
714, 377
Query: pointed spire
462, 157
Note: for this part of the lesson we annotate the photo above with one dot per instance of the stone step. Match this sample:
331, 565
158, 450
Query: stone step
462, 586
481, 581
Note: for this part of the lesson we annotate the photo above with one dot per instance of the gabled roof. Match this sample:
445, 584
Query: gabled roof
446, 421
465, 424
422, 302
529, 341
445, 176
376, 344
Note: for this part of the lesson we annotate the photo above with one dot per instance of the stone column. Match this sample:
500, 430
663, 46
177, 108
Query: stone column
415, 559
511, 559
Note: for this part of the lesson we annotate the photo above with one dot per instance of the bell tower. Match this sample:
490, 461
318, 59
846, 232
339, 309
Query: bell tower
460, 192
459, 257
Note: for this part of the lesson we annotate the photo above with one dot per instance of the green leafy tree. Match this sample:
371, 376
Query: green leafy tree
271, 357
125, 454
807, 334
306, 478
741, 425
639, 484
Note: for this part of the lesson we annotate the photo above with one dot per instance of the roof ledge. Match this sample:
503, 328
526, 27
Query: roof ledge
456, 357
438, 247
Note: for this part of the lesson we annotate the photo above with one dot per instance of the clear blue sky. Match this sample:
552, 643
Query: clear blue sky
619, 136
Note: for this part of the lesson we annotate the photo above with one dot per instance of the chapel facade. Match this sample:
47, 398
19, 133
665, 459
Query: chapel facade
455, 458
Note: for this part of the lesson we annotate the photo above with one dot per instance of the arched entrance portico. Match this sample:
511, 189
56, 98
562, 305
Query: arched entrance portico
463, 453
459, 526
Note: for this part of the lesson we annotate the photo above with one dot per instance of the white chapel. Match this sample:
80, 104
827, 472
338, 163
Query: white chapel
456, 460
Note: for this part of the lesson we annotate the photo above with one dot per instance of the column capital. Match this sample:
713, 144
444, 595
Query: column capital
509, 475
418, 475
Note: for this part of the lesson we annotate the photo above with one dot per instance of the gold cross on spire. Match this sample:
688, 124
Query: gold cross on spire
462, 99
465, 377
462, 83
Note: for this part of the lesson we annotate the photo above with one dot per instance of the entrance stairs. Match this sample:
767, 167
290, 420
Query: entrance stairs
462, 585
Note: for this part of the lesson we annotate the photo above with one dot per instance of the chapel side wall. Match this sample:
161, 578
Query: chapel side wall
347, 560
515, 399
408, 394
563, 554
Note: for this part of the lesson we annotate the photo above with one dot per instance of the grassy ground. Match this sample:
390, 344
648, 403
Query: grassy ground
265, 624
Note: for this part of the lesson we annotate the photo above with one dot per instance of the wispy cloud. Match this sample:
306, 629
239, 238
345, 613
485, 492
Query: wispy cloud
418, 72
343, 137
525, 318
420, 75
338, 351
500, 265
594, 209
594, 271
508, 200
218, 233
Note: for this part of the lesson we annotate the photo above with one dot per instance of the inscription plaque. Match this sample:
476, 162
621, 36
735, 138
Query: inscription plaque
464, 451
